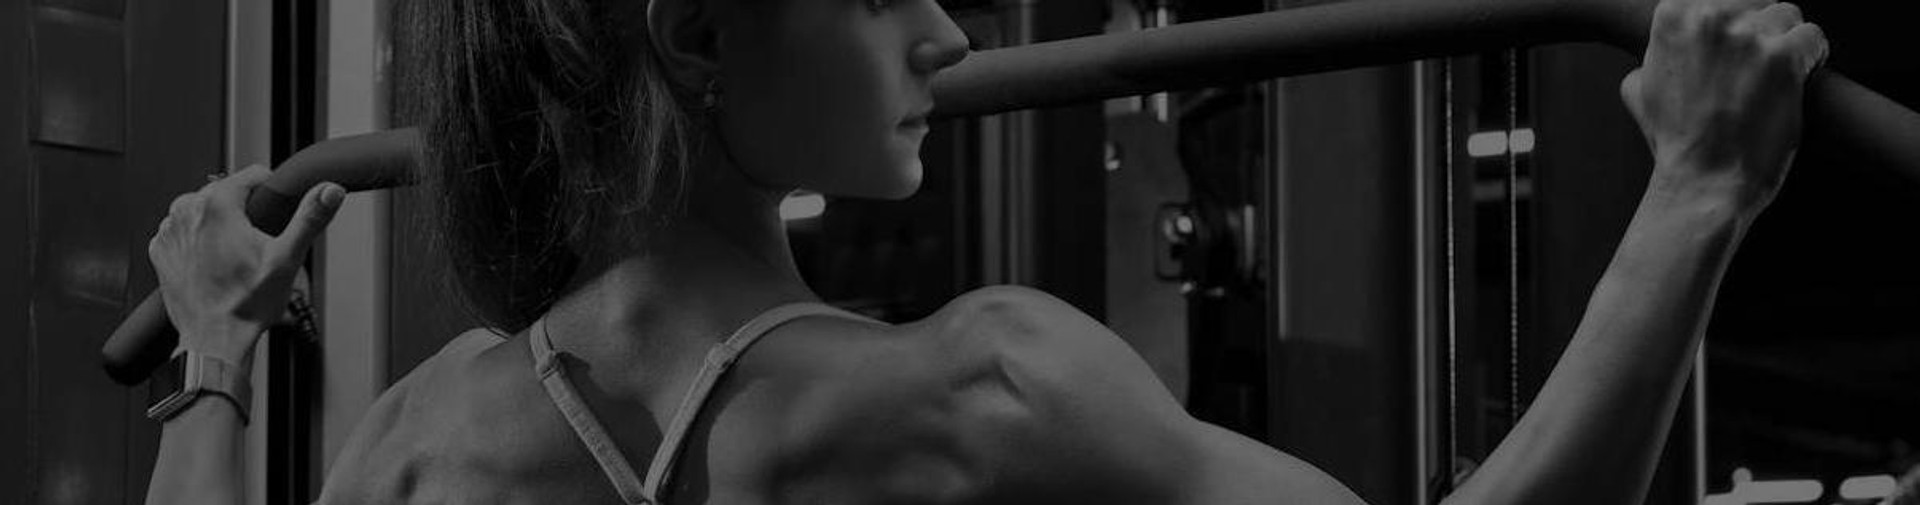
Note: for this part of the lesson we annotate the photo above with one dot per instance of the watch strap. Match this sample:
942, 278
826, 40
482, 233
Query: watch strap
217, 376
207, 375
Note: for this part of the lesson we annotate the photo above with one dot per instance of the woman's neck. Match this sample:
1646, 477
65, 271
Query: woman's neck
693, 280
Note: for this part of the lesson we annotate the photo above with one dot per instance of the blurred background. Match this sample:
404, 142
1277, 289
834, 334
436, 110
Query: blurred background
1373, 270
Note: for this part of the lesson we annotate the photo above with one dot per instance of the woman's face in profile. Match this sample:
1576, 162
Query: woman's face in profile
832, 95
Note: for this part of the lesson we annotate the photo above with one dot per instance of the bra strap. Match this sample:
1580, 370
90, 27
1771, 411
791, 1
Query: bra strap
553, 376
719, 359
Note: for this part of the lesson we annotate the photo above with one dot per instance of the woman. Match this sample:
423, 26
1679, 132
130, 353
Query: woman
610, 173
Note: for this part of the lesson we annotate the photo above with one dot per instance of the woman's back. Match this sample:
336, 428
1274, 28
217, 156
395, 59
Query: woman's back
468, 425
968, 406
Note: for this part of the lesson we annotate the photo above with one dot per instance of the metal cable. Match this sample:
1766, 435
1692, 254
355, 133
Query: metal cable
1513, 238
1453, 305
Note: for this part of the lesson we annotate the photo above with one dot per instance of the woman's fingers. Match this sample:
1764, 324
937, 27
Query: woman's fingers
1808, 44
186, 205
316, 210
160, 232
235, 188
1772, 20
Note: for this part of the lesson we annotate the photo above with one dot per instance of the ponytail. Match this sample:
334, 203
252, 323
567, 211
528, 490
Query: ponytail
548, 131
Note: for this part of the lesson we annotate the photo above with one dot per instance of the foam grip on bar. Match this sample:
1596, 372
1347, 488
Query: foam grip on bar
1872, 128
146, 338
142, 342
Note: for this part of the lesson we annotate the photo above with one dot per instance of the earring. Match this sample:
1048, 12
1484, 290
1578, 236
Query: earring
711, 99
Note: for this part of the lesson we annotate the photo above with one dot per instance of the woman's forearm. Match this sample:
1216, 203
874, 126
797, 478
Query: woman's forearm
1596, 431
200, 456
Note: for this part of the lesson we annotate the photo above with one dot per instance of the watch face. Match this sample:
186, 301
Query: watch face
170, 377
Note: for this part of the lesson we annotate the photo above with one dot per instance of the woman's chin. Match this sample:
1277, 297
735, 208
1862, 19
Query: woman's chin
896, 179
897, 184
908, 182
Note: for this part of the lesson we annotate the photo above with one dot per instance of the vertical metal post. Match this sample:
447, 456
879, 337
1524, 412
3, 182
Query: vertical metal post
1008, 158
353, 259
1272, 231
1273, 200
1697, 403
1160, 104
1427, 280
1450, 309
1018, 159
250, 26
291, 367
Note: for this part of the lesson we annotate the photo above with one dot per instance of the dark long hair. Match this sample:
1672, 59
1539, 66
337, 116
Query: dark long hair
549, 132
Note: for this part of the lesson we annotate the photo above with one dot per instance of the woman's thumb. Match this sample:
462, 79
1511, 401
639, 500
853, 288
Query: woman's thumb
316, 210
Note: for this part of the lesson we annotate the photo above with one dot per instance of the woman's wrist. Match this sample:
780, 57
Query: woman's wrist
1702, 187
232, 343
211, 411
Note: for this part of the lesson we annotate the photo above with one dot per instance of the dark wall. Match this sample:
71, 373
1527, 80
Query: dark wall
1590, 168
1345, 393
1812, 350
1813, 320
122, 109
1071, 184
15, 336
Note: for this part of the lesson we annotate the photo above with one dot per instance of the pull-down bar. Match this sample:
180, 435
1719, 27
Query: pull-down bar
1217, 52
1356, 34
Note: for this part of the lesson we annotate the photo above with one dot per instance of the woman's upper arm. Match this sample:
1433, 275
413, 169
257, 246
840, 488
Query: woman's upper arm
368, 465
1110, 424
1235, 469
350, 476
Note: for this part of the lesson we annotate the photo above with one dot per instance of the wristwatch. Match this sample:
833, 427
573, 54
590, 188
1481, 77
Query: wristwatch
193, 375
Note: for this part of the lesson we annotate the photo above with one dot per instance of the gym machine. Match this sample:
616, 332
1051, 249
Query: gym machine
1178, 57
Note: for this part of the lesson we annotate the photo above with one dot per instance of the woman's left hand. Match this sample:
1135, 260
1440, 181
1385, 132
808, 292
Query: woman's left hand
224, 281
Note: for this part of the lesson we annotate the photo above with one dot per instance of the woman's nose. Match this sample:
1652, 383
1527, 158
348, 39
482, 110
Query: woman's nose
931, 56
946, 46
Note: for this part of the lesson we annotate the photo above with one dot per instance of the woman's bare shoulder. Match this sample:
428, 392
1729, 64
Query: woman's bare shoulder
1005, 395
466, 379
470, 423
977, 327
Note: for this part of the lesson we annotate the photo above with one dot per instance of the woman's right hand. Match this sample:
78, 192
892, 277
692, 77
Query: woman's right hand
224, 281
1718, 95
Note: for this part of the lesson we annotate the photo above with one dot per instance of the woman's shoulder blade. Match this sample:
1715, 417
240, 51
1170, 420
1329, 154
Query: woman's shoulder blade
468, 423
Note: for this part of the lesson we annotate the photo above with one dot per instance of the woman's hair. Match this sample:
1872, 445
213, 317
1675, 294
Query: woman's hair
549, 130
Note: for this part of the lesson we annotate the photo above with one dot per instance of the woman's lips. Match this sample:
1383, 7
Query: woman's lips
914, 123
917, 120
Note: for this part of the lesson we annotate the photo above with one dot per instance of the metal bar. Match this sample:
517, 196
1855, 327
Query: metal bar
1255, 47
1427, 281
1842, 114
289, 362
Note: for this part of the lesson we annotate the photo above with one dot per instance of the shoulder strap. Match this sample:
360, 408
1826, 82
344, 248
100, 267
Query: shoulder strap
553, 376
718, 361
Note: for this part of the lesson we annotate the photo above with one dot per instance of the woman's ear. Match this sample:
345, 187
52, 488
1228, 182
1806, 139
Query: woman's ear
684, 34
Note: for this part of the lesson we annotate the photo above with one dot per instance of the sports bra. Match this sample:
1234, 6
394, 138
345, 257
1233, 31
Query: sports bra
632, 490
